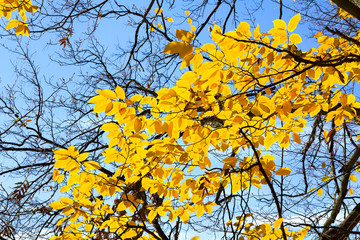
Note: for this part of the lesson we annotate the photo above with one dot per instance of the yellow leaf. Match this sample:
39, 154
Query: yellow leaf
68, 210
91, 165
60, 178
22, 30
279, 24
320, 192
294, 22
61, 152
187, 61
158, 11
209, 208
97, 99
311, 190
160, 26
61, 163
129, 234
55, 175
193, 28
169, 19
194, 238
351, 191
256, 35
13, 23
278, 223
326, 178
183, 49
107, 93
57, 205
73, 152
295, 38
243, 29
31, 9
65, 188
66, 200
184, 35
74, 216
189, 21
296, 138
283, 171
23, 16
353, 178
152, 215
230, 160
350, 99
137, 125
7, 14
109, 107
185, 216
88, 227
119, 92
82, 157
187, 12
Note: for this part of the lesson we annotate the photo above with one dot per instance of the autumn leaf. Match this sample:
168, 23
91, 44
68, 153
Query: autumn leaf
13, 23
353, 178
185, 36
278, 223
177, 47
296, 138
319, 192
91, 165
158, 11
294, 22
351, 191
283, 171
295, 38
279, 24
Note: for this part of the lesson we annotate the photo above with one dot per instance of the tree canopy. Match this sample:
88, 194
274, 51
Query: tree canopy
257, 138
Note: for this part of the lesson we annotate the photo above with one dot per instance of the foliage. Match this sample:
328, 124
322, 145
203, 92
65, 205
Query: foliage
8, 7
242, 94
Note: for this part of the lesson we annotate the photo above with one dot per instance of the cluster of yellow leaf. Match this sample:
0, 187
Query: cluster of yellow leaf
256, 90
159, 25
22, 6
265, 231
344, 14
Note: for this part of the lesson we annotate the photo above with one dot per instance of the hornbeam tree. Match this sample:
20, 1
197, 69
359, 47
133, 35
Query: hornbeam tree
196, 154
258, 138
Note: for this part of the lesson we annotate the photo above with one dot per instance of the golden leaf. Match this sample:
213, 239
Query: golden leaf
296, 138
158, 11
280, 24
13, 23
295, 38
137, 125
183, 49
353, 178
294, 22
107, 93
278, 223
184, 35
283, 171
91, 165
319, 192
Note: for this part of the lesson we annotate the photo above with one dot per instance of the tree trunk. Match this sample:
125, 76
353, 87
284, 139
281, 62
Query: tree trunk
351, 6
